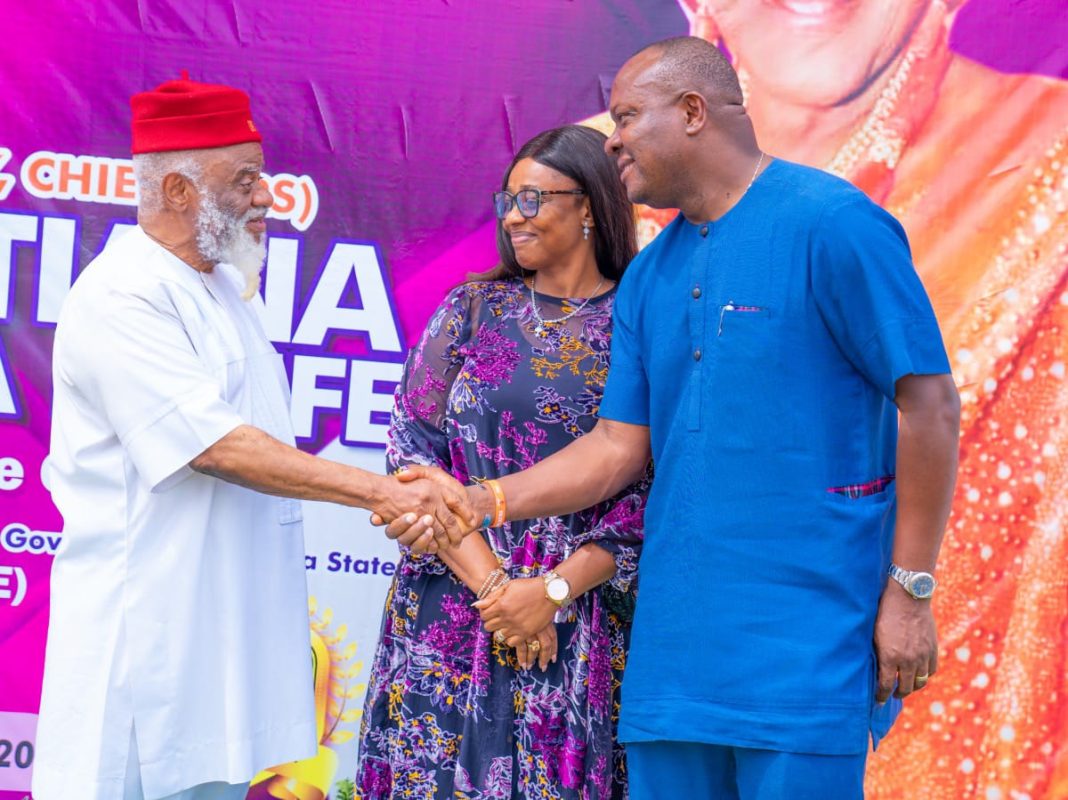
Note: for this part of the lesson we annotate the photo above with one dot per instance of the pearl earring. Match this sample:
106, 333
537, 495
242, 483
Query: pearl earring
586, 230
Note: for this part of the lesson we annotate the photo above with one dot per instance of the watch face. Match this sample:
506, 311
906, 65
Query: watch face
558, 589
922, 585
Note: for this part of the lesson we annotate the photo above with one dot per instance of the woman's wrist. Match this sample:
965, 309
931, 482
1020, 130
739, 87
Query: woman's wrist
491, 582
587, 568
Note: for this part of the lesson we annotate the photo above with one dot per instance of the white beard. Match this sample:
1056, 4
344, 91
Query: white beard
221, 237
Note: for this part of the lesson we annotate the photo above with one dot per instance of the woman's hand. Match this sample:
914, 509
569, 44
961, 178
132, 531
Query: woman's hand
542, 649
519, 609
412, 530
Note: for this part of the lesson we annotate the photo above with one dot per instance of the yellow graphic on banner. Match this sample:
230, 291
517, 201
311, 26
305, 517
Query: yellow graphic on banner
333, 671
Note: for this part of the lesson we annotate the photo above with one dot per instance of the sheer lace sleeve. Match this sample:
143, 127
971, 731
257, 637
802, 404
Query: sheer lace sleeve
618, 527
417, 430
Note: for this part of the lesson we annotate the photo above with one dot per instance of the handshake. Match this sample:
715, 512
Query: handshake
428, 510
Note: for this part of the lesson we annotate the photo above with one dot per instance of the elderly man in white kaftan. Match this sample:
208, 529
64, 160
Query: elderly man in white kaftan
178, 660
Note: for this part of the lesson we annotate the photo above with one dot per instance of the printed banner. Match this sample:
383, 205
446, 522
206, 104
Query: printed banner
388, 124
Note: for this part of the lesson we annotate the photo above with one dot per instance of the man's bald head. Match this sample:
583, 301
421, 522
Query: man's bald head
682, 135
689, 64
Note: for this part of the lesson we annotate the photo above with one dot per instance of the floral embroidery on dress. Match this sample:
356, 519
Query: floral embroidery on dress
448, 712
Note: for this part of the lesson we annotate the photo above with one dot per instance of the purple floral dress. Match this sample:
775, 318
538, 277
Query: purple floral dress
449, 714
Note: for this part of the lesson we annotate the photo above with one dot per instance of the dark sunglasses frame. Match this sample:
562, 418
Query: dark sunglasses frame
503, 201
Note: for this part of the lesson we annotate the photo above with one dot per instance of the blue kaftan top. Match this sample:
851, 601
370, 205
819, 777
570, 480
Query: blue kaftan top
762, 350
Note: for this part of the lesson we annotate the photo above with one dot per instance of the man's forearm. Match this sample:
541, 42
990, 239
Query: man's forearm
252, 458
928, 444
589, 470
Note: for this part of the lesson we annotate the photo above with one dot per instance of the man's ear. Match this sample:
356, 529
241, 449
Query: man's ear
695, 109
179, 193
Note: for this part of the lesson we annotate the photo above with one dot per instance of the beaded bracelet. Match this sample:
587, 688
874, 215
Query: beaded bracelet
498, 585
494, 580
489, 579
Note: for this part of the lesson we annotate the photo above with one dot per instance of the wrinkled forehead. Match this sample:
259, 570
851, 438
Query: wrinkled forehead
228, 162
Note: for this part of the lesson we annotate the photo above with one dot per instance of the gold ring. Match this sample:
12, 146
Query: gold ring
921, 680
499, 637
534, 645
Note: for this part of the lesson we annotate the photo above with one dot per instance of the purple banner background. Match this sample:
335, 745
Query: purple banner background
405, 113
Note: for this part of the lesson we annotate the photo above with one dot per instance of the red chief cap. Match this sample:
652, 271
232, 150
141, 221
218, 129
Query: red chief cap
187, 115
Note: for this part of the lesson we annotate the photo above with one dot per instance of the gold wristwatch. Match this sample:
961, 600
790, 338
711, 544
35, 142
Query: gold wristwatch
557, 589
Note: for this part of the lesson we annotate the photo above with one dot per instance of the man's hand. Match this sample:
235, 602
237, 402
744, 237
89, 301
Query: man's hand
519, 610
906, 644
440, 499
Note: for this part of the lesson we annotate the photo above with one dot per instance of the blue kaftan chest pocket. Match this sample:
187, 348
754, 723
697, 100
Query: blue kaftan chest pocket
750, 379
735, 316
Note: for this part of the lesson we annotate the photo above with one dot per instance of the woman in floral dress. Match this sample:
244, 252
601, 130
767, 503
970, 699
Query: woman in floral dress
509, 370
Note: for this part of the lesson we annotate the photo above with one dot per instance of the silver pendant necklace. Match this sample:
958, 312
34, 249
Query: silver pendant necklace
755, 171
542, 322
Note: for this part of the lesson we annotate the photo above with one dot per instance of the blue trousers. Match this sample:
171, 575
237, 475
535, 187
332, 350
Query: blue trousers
692, 771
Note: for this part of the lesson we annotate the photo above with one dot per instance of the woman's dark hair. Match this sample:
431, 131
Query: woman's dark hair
578, 152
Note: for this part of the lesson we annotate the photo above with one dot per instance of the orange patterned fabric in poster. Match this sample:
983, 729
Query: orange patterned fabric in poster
975, 165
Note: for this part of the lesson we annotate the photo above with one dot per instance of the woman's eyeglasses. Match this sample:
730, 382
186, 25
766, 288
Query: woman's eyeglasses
528, 201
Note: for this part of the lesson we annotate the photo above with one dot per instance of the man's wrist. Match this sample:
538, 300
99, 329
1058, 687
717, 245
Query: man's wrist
482, 503
500, 505
897, 590
369, 490
917, 584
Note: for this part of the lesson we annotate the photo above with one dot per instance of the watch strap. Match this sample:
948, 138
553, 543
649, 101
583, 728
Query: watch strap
906, 578
551, 576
